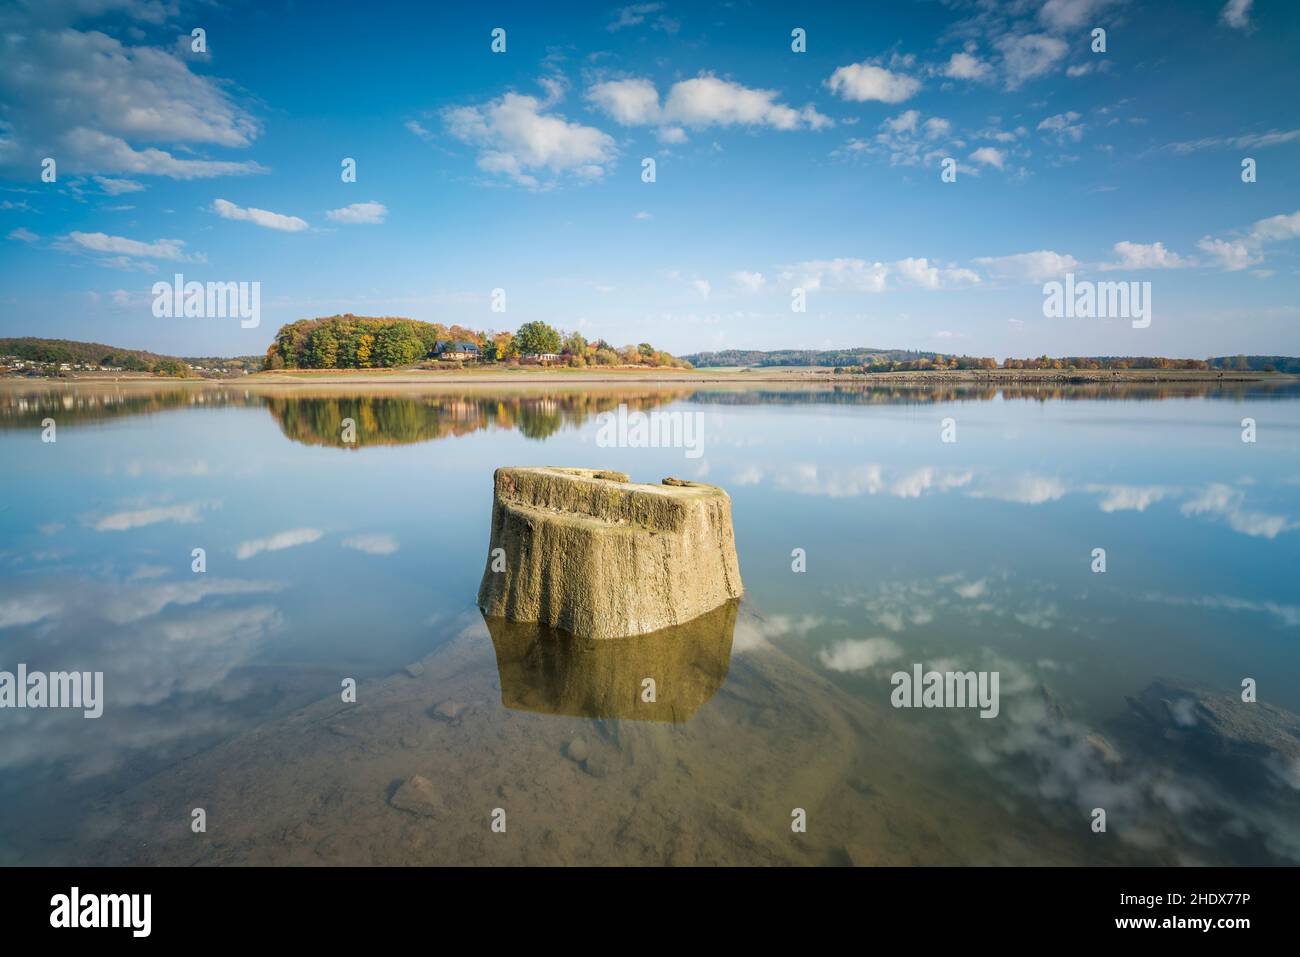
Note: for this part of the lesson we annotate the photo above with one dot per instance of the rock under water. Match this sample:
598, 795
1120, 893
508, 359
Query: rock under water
599, 556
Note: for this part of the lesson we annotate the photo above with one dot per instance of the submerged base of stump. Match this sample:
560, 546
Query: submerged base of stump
548, 671
599, 556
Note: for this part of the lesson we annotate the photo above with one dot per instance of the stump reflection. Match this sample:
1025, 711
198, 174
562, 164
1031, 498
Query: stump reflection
546, 670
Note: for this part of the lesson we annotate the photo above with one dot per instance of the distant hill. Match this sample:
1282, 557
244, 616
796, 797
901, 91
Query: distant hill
1258, 363
881, 359
802, 357
73, 352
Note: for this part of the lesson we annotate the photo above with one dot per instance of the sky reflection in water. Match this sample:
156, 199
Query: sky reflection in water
326, 562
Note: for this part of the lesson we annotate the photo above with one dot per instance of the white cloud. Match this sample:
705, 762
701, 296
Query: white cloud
24, 235
963, 66
749, 281
754, 633
633, 102
703, 101
98, 150
1226, 502
1276, 228
1025, 489
1065, 15
1128, 498
1232, 255
709, 101
370, 213
862, 82
905, 139
123, 521
1244, 141
989, 156
116, 187
1037, 266
702, 287
172, 249
912, 484
905, 122
372, 544
811, 479
868, 479
1236, 14
937, 127
277, 542
919, 272
1028, 56
260, 217
518, 139
1216, 498
1235, 255
1145, 256
858, 655
636, 14
28, 609
1064, 126
1288, 615
418, 129
85, 97
861, 275
845, 273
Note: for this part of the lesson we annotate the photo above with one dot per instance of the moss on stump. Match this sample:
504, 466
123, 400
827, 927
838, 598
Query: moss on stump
599, 556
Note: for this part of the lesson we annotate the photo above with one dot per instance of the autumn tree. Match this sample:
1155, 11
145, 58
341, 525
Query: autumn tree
365, 345
575, 344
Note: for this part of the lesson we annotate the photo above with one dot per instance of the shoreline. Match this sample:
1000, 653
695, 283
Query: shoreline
811, 375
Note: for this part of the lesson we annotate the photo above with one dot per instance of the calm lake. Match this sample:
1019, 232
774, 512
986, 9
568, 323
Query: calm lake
1120, 690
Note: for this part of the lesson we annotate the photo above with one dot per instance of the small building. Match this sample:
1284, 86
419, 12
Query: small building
541, 358
448, 350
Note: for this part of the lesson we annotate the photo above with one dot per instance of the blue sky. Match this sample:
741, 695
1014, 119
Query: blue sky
775, 170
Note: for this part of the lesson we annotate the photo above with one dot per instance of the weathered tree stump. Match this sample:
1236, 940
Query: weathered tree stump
599, 556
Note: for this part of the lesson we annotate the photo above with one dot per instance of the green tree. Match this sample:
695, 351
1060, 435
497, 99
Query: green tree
535, 337
323, 349
575, 344
172, 367
397, 345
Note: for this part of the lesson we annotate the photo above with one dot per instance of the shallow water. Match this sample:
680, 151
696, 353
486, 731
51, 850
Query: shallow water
328, 561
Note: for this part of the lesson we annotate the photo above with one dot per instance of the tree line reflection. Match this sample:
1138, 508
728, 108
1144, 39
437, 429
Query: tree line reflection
396, 417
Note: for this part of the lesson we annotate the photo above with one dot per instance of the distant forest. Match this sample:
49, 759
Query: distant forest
899, 360
359, 342
801, 357
58, 351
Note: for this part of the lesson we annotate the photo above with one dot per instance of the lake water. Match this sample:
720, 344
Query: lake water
328, 561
